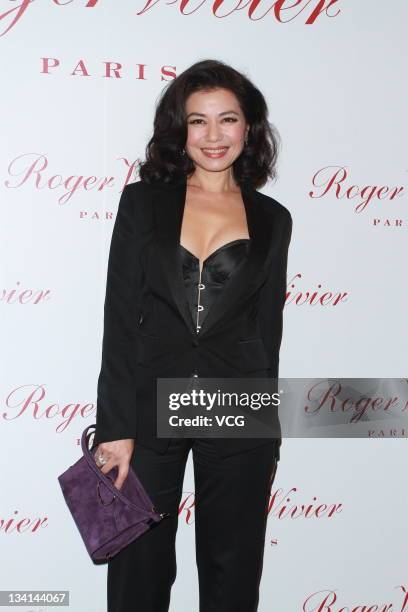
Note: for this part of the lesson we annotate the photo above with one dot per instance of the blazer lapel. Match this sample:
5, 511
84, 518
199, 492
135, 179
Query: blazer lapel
169, 202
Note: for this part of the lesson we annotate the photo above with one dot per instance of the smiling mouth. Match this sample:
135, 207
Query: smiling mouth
215, 153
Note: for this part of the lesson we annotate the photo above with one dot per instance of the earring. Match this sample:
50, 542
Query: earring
183, 151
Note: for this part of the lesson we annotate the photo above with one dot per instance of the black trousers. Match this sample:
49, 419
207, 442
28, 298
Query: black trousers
231, 498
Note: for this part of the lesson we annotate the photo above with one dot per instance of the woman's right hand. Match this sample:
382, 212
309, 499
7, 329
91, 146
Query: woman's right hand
118, 453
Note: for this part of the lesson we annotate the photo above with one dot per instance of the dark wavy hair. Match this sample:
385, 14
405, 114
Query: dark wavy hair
164, 159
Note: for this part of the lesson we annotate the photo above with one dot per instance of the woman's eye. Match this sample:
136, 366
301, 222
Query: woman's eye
233, 119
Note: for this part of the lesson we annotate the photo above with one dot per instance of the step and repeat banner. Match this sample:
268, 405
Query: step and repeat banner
79, 85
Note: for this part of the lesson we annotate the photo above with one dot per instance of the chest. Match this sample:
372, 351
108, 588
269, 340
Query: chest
209, 224
204, 285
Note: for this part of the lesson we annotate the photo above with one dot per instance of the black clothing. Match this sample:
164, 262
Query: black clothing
148, 328
203, 289
228, 511
151, 330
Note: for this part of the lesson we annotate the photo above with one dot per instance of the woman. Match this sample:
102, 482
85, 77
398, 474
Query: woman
195, 288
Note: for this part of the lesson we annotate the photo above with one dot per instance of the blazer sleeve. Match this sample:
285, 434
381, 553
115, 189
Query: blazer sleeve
274, 296
116, 405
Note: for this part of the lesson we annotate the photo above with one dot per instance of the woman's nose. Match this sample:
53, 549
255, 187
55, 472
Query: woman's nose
213, 133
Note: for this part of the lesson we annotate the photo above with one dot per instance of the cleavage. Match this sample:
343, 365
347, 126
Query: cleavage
214, 253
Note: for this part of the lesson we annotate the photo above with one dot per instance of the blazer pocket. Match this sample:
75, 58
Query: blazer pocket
142, 333
252, 355
147, 348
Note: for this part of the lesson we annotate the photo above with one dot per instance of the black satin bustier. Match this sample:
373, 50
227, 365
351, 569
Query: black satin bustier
202, 290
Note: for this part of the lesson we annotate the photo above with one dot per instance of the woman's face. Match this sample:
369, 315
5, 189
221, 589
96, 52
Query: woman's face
216, 129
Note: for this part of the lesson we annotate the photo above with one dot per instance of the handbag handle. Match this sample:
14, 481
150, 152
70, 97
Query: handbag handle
116, 492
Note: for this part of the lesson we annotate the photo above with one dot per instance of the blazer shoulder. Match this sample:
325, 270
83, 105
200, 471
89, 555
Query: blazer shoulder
135, 205
139, 196
144, 192
275, 207
138, 188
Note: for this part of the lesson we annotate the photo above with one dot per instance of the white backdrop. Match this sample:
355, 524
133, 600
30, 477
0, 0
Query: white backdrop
336, 90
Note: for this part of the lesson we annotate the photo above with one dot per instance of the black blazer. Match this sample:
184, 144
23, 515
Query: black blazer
148, 328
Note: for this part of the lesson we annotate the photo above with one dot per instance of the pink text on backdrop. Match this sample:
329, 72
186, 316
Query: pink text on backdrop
32, 168
283, 11
31, 400
333, 180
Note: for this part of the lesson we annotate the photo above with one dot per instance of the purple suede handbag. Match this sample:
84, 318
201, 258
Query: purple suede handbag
107, 518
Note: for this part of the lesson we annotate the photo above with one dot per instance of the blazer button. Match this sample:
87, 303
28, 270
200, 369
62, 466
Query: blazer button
195, 342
